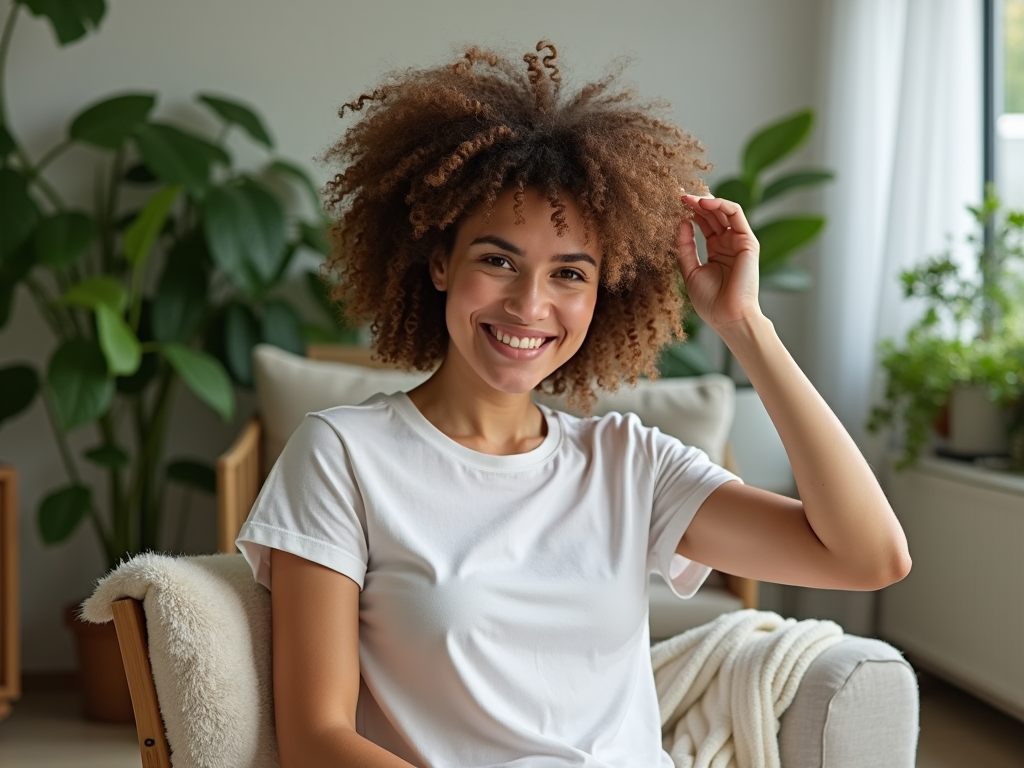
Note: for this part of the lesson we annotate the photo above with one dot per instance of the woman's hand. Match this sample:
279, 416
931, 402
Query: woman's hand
724, 289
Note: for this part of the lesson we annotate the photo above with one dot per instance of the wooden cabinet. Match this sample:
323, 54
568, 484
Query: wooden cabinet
960, 611
10, 673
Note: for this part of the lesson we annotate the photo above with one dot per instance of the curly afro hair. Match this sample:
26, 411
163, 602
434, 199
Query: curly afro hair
435, 144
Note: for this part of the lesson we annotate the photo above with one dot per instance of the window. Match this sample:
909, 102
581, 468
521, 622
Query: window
1005, 68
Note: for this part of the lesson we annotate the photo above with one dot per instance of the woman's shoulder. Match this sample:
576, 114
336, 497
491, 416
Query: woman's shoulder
370, 417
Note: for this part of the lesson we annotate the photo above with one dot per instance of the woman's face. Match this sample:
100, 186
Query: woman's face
520, 298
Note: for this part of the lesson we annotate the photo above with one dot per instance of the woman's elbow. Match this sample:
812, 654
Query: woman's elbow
890, 568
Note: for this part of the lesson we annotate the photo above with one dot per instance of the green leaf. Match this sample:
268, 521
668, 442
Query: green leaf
282, 327
109, 456
180, 302
18, 212
147, 226
736, 190
795, 180
140, 174
12, 271
108, 123
78, 383
314, 237
787, 278
61, 239
62, 511
178, 157
235, 113
19, 383
266, 244
299, 175
320, 293
120, 347
781, 237
70, 19
241, 334
7, 144
687, 359
148, 369
774, 142
194, 474
96, 291
204, 376
245, 229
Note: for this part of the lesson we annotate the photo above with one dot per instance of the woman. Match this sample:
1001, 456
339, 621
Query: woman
473, 567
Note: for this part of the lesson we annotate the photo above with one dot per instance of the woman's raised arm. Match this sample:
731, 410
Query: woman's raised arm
841, 533
316, 668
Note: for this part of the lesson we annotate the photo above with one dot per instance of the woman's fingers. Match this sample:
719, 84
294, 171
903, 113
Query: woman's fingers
688, 258
729, 213
706, 227
707, 219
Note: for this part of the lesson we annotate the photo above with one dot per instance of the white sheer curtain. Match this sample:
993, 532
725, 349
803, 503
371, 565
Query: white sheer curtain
901, 126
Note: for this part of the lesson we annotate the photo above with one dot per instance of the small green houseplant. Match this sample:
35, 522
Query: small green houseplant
970, 333
218, 239
781, 237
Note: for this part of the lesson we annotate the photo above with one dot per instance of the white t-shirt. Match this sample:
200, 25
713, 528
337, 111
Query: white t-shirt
503, 612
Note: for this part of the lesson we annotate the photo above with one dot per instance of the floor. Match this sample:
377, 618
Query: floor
45, 731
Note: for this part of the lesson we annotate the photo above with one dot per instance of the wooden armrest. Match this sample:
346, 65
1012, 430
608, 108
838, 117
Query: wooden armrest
239, 479
130, 623
342, 353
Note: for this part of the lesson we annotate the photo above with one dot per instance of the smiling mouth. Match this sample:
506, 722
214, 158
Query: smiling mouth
518, 342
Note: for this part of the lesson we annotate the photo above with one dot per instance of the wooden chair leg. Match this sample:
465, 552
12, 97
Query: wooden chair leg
130, 622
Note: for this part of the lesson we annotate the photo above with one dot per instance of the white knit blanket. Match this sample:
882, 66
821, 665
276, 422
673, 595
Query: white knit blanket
723, 686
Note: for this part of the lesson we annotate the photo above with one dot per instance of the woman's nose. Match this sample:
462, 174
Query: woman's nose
527, 301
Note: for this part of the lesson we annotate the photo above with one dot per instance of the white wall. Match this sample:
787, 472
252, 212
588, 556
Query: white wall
726, 67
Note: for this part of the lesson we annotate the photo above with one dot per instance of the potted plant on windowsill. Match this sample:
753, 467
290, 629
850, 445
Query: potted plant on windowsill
958, 377
170, 204
781, 237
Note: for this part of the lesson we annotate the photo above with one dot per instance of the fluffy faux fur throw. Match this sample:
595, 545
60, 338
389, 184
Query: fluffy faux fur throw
209, 646
721, 686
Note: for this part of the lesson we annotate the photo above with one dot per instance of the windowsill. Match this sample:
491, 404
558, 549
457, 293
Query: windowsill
970, 473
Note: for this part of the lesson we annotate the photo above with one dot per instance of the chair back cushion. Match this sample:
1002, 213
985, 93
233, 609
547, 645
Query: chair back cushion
696, 410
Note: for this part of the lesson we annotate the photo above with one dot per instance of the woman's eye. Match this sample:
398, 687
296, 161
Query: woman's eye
570, 274
498, 261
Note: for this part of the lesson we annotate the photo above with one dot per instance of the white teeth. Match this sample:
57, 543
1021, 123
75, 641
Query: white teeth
515, 342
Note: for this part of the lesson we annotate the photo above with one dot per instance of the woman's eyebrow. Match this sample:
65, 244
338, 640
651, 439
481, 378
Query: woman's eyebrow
572, 257
505, 245
499, 242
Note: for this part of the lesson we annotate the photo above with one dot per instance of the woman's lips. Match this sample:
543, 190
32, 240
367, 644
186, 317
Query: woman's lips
514, 353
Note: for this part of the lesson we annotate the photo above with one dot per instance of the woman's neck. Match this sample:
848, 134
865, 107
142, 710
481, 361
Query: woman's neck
472, 413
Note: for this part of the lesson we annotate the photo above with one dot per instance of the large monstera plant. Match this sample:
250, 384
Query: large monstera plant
781, 236
170, 211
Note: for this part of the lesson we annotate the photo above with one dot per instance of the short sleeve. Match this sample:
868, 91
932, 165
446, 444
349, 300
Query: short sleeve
684, 478
310, 506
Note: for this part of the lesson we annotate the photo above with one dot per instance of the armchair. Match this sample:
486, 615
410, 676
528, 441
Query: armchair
195, 632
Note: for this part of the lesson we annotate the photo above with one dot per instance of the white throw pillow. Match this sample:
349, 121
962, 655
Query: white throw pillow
696, 410
289, 386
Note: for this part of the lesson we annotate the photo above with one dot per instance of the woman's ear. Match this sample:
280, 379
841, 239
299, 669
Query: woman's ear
439, 269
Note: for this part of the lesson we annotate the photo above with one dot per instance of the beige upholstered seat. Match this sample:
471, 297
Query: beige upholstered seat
205, 675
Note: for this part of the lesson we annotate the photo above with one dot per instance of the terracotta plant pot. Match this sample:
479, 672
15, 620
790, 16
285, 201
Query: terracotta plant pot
105, 695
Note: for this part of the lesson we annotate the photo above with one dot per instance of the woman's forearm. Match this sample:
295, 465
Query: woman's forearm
337, 747
843, 502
